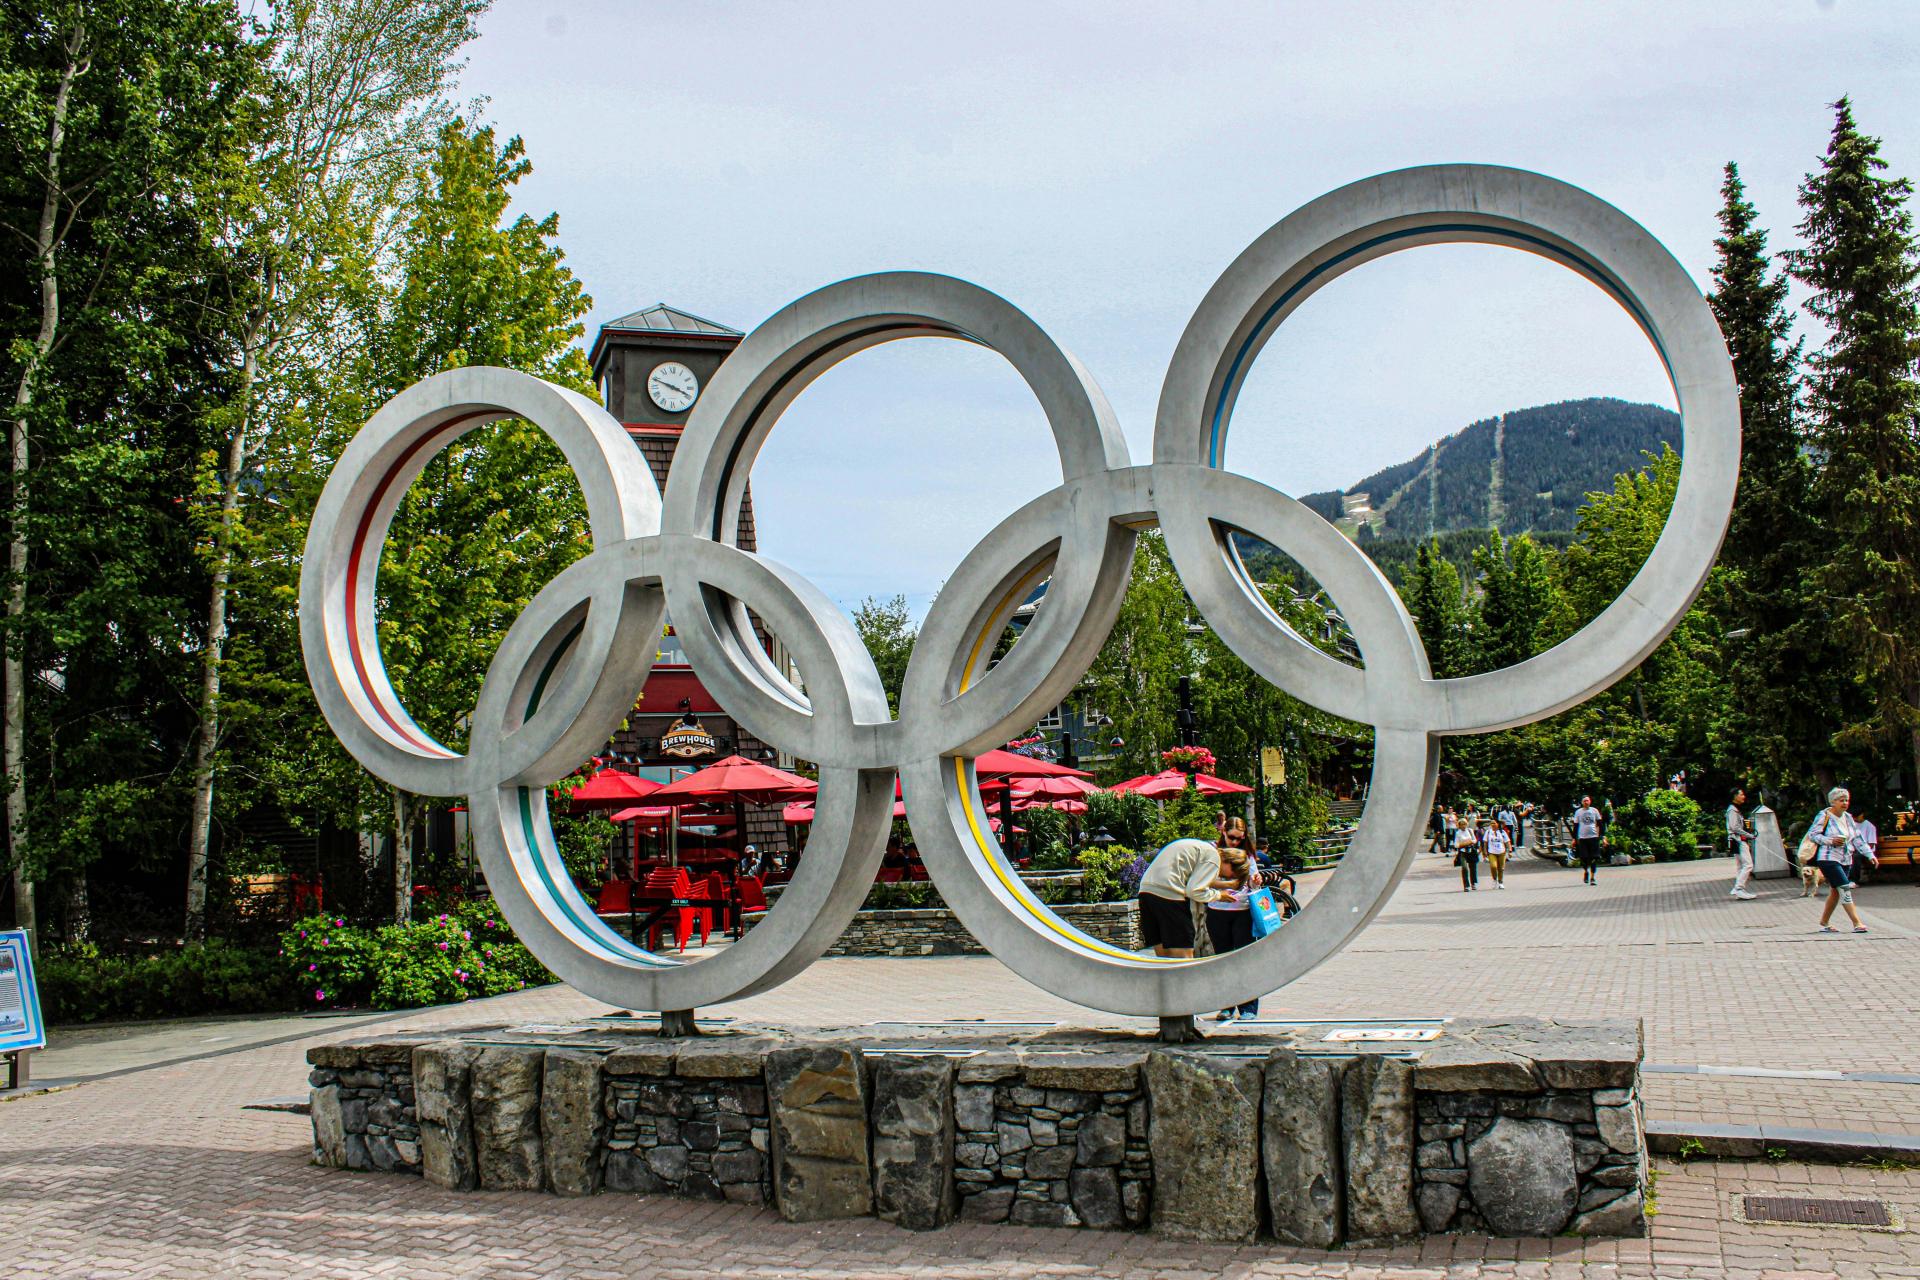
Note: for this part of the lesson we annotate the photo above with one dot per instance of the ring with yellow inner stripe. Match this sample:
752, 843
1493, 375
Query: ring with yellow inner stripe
989, 849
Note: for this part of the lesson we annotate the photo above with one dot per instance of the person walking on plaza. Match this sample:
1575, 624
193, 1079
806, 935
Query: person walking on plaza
1836, 840
1229, 919
1740, 845
1466, 856
1184, 871
1586, 839
1511, 821
1496, 843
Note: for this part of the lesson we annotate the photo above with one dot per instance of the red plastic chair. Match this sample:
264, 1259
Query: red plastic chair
662, 886
753, 895
616, 898
716, 887
888, 875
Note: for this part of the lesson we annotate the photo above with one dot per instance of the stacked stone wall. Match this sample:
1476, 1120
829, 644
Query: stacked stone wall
1520, 1127
936, 931
1052, 1144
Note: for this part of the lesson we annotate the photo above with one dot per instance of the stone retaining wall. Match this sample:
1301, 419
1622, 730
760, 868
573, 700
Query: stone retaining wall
935, 931
1520, 1127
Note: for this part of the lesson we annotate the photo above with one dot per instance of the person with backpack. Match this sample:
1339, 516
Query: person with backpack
1836, 839
1466, 856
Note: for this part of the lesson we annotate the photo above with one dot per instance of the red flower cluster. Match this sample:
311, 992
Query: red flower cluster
1189, 759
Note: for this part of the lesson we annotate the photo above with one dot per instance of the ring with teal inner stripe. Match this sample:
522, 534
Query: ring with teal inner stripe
1586, 267
561, 889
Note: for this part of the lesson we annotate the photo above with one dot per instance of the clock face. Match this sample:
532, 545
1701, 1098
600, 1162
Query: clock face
673, 386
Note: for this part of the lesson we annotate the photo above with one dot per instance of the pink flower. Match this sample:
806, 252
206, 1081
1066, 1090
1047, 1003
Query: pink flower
340, 924
325, 941
489, 924
313, 968
320, 995
441, 945
443, 919
467, 935
303, 933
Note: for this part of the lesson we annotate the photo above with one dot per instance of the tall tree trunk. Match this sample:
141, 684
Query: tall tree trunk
207, 740
13, 737
402, 857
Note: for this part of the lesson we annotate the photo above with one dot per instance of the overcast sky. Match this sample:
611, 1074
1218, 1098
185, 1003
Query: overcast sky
1100, 164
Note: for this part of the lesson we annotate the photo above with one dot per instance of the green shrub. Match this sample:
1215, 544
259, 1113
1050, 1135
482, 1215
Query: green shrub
1105, 879
79, 984
905, 895
1662, 823
448, 957
1188, 814
1124, 815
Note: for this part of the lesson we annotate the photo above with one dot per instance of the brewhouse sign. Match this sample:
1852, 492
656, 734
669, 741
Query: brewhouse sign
567, 673
686, 739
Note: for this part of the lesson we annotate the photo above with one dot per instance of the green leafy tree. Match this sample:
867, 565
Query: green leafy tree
363, 89
116, 118
1134, 678
498, 514
888, 632
1859, 265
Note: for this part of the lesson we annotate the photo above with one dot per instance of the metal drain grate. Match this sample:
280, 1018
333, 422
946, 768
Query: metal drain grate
1823, 1213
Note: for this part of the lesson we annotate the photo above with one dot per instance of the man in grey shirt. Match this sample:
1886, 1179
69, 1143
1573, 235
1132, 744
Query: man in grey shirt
1740, 844
1586, 840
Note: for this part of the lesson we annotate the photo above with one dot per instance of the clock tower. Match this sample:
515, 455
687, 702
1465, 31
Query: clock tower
651, 367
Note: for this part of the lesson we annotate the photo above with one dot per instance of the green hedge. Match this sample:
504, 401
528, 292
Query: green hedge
322, 963
79, 984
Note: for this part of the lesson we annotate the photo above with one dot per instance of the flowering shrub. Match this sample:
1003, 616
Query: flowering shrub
446, 957
1034, 748
1189, 759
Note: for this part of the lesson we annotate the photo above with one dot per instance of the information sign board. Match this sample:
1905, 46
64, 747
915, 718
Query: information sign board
20, 1025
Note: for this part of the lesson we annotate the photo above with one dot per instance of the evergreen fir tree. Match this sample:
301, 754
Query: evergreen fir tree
1860, 266
1434, 599
1773, 539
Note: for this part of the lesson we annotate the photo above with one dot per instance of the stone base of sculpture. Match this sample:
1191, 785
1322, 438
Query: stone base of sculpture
1519, 1127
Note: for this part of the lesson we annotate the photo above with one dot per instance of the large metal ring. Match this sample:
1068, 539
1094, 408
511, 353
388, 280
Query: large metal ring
572, 665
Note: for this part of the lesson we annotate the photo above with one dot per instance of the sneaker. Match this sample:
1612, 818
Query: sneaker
1743, 895
1499, 884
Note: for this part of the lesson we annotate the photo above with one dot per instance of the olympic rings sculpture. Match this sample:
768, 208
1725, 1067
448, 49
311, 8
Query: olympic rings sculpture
572, 665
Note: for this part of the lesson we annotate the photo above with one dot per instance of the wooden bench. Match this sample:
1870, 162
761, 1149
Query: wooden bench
1899, 851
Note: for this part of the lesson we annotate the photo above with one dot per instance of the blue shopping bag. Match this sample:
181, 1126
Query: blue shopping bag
1266, 912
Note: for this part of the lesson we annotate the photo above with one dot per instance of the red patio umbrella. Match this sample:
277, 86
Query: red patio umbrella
801, 813
1064, 788
1007, 764
611, 789
1158, 786
738, 781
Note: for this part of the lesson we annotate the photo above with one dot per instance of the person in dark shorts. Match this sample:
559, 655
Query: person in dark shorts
1183, 872
1586, 839
1837, 840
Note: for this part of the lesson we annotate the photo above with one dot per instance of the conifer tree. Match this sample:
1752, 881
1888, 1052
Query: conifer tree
1434, 599
1859, 265
1773, 538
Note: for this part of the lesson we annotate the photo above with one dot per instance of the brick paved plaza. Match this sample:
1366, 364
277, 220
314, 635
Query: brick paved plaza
162, 1172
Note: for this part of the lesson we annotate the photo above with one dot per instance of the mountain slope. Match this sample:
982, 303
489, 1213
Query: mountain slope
1526, 470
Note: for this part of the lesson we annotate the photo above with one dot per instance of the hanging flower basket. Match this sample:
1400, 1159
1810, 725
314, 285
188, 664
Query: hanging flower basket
1189, 760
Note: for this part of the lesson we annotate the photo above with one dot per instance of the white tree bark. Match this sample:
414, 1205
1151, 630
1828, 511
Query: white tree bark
13, 735
402, 857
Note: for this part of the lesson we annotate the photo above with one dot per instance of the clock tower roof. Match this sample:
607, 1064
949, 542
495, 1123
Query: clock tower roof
660, 327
